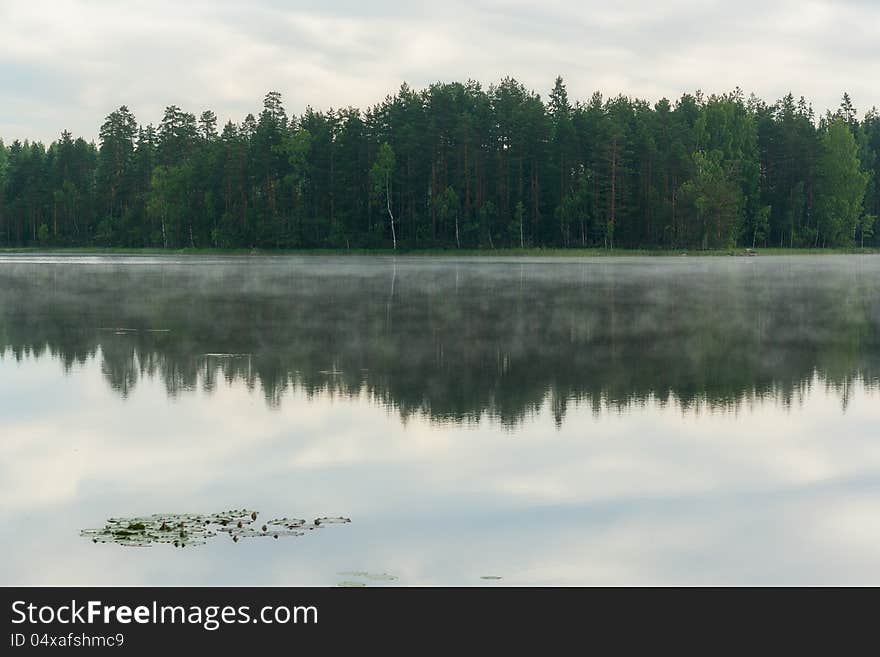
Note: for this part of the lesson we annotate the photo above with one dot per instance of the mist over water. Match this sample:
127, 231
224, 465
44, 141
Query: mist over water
616, 420
451, 339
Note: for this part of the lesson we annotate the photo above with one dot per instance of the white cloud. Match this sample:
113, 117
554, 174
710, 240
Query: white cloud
67, 63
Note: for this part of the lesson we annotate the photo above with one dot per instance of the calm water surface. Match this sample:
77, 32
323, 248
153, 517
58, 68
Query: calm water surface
608, 421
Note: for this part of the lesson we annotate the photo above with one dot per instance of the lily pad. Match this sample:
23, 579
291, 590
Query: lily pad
371, 576
190, 529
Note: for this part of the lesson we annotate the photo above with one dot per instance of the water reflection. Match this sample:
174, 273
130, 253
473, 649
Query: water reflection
785, 489
458, 340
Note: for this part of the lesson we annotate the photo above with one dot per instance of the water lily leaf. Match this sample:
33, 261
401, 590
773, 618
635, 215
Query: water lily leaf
367, 575
189, 529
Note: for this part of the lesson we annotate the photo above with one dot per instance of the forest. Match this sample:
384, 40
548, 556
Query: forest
458, 165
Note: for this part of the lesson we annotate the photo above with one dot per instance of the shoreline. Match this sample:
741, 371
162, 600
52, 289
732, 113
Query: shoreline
528, 252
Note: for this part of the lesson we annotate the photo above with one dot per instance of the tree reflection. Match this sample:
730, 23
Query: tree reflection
457, 341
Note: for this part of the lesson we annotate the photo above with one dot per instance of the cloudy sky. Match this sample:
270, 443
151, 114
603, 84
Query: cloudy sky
68, 63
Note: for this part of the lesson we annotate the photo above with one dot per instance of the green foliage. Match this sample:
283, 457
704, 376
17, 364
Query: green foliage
840, 185
866, 227
574, 214
166, 204
383, 169
714, 202
381, 174
761, 225
516, 230
488, 215
447, 206
457, 165
3, 162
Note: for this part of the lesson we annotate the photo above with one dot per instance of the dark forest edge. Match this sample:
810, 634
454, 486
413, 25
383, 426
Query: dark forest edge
501, 252
456, 166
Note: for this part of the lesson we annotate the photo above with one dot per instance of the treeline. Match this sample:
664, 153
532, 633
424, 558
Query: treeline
456, 165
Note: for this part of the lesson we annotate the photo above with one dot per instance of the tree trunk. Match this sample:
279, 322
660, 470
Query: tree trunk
522, 244
613, 189
388, 205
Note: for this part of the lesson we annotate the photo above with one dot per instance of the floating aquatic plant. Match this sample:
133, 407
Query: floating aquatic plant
132, 331
188, 529
357, 577
361, 574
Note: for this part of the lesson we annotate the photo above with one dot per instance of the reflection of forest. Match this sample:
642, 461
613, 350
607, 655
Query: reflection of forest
457, 340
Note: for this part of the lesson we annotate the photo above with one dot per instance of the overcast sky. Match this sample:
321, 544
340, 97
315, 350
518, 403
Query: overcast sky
68, 63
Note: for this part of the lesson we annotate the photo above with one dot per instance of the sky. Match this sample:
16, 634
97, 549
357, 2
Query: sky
66, 64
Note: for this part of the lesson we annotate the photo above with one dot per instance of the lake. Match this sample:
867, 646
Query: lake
481, 421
